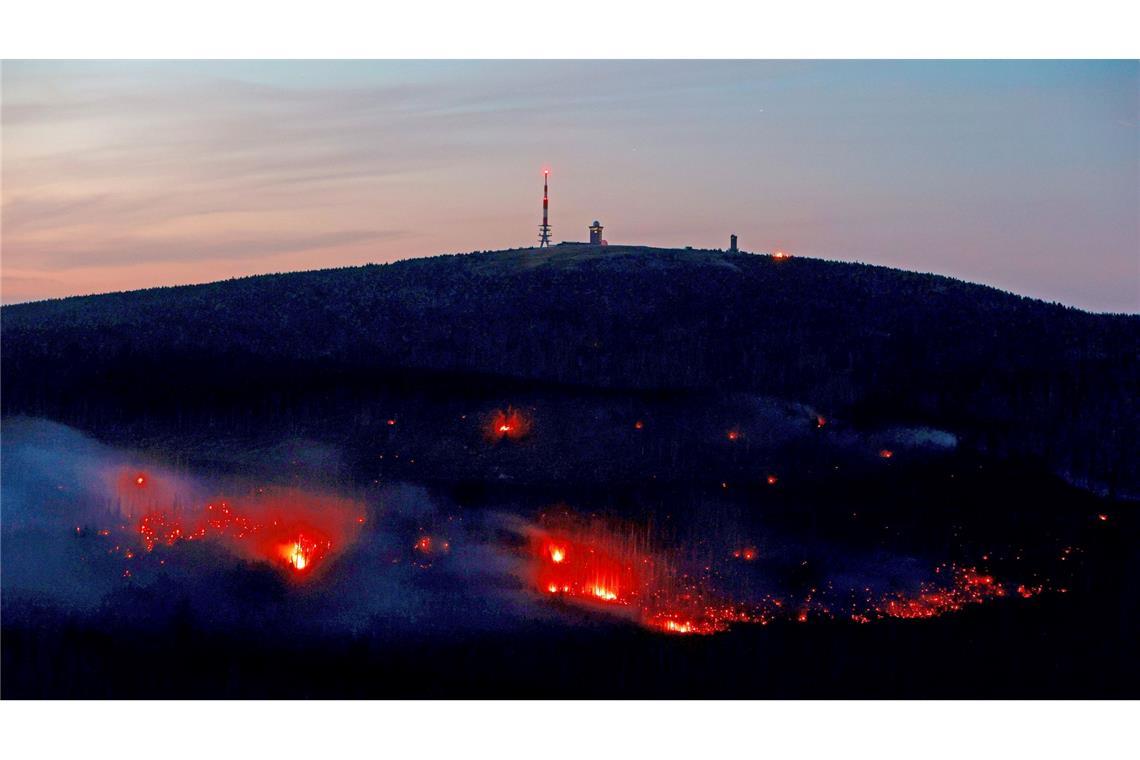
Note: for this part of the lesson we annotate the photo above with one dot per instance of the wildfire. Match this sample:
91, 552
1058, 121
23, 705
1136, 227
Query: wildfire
591, 565
511, 424
674, 626
682, 625
612, 564
297, 556
781, 255
295, 529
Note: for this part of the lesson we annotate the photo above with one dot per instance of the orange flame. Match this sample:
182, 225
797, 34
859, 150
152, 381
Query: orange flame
511, 424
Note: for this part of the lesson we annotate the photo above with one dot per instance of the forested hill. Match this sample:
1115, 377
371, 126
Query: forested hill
1012, 375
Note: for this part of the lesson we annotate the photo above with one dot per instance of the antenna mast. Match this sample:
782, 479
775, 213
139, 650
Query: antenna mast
544, 230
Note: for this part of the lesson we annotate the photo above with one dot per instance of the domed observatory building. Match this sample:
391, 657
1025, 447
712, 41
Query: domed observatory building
596, 233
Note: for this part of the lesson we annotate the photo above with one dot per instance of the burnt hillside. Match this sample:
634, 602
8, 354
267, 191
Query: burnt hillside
1011, 376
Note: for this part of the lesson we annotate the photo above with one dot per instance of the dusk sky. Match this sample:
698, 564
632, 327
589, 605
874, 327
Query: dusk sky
123, 175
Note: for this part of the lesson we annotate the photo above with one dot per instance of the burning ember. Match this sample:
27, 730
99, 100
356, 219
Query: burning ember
772, 480
140, 480
429, 547
886, 453
733, 435
511, 424
639, 425
969, 587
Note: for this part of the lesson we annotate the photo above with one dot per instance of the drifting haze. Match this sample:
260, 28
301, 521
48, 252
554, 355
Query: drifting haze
121, 175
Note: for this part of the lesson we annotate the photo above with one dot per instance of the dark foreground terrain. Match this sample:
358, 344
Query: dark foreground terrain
857, 429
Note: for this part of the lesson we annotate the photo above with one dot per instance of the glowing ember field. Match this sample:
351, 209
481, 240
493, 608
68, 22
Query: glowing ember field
288, 528
608, 568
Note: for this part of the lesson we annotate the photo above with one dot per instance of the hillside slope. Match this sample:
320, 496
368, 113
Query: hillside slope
1012, 376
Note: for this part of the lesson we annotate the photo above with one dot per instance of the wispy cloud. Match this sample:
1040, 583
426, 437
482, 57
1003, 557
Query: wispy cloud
68, 254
